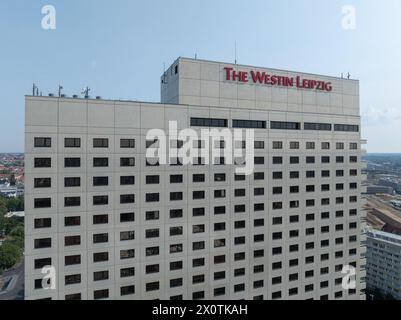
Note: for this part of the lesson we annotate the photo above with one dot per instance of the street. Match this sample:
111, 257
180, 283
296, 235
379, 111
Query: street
16, 290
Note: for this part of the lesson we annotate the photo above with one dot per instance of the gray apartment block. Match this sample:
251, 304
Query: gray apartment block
114, 226
383, 265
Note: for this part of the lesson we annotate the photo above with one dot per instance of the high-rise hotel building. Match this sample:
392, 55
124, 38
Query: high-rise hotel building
115, 226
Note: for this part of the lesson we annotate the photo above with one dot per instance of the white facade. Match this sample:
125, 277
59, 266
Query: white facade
251, 251
383, 267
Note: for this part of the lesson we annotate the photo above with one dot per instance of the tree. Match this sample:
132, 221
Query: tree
9, 255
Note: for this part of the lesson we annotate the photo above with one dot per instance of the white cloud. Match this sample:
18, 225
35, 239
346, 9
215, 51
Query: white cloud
380, 116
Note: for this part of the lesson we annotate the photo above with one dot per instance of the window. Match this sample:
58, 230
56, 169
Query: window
176, 248
218, 194
72, 182
101, 238
220, 177
72, 221
127, 217
294, 160
127, 198
152, 179
127, 235
196, 195
198, 178
310, 145
43, 223
198, 228
72, 201
340, 146
42, 203
176, 231
176, 213
259, 145
317, 126
152, 233
127, 180
72, 279
100, 162
277, 145
152, 197
325, 145
101, 294
100, 219
40, 263
100, 181
208, 122
127, 254
249, 124
198, 212
346, 128
42, 162
127, 162
294, 145
176, 178
100, 143
100, 200
152, 215
127, 290
42, 183
72, 162
43, 142
277, 160
127, 272
176, 196
72, 142
285, 125
72, 260
353, 146
127, 143
43, 243
259, 176
72, 241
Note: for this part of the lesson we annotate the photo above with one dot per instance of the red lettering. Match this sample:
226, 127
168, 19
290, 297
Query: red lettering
258, 76
328, 87
228, 73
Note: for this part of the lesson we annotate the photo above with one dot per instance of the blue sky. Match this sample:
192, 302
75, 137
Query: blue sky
119, 47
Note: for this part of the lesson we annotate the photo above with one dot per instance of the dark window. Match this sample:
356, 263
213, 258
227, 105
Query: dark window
127, 162
249, 124
100, 181
72, 279
42, 203
100, 256
285, 125
72, 182
72, 260
127, 290
152, 179
101, 219
42, 243
100, 275
127, 272
346, 128
40, 263
72, 201
43, 182
127, 180
72, 162
127, 217
100, 200
127, 254
152, 197
100, 143
72, 241
208, 122
101, 294
72, 142
43, 162
127, 143
72, 221
43, 142
100, 162
127, 235
317, 126
176, 213
101, 238
176, 196
176, 178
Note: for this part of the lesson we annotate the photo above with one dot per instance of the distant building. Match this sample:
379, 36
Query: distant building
383, 263
391, 182
379, 189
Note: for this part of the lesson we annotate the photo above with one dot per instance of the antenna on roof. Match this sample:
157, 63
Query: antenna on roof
348, 76
342, 75
86, 91
33, 89
196, 56
60, 87
235, 52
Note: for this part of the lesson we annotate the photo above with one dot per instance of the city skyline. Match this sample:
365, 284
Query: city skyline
84, 50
